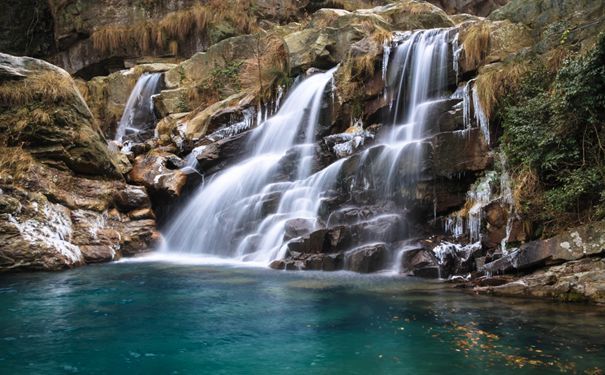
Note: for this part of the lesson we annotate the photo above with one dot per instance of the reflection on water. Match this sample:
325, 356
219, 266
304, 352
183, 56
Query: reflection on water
132, 318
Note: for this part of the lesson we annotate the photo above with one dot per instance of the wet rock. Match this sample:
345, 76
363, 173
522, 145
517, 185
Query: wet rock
366, 259
98, 253
455, 259
298, 227
419, 262
495, 214
456, 152
428, 272
387, 228
153, 171
138, 236
141, 214
106, 97
323, 241
218, 154
132, 197
443, 116
9, 205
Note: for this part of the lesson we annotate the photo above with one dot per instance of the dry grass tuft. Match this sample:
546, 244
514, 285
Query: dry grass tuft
475, 40
269, 65
48, 87
526, 188
495, 82
16, 162
175, 27
111, 38
381, 36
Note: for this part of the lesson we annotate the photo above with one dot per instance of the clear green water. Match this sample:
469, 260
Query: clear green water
158, 318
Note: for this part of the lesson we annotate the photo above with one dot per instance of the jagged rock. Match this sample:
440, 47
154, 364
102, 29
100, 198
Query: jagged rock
584, 15
443, 116
575, 281
228, 111
154, 171
571, 245
419, 262
132, 197
495, 214
366, 259
217, 153
142, 214
456, 259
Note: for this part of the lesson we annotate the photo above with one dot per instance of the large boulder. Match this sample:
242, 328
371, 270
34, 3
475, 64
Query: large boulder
578, 243
42, 110
367, 258
576, 281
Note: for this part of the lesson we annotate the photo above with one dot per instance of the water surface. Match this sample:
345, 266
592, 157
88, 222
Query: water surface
162, 318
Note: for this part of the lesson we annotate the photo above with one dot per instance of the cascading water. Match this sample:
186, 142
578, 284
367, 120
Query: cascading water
243, 212
228, 216
139, 115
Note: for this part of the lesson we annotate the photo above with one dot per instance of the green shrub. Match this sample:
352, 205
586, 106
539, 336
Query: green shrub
554, 128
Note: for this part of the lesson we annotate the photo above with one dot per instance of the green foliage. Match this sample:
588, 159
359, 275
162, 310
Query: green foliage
554, 128
224, 80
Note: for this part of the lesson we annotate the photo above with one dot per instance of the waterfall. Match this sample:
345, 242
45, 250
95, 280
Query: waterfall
240, 213
139, 114
244, 211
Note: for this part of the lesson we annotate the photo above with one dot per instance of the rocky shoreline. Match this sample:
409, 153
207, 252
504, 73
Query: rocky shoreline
69, 196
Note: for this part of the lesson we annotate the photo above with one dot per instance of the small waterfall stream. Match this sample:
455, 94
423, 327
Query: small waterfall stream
227, 216
139, 115
242, 213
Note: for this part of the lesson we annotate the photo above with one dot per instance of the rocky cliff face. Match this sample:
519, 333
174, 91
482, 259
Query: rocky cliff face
63, 200
91, 38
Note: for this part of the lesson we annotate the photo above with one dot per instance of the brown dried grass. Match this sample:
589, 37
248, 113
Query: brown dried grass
268, 66
475, 40
495, 82
47, 87
175, 27
16, 162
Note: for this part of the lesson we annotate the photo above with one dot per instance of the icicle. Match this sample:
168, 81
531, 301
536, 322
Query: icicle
457, 52
480, 116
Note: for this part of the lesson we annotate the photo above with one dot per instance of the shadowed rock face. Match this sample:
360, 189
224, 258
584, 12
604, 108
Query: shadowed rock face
26, 28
